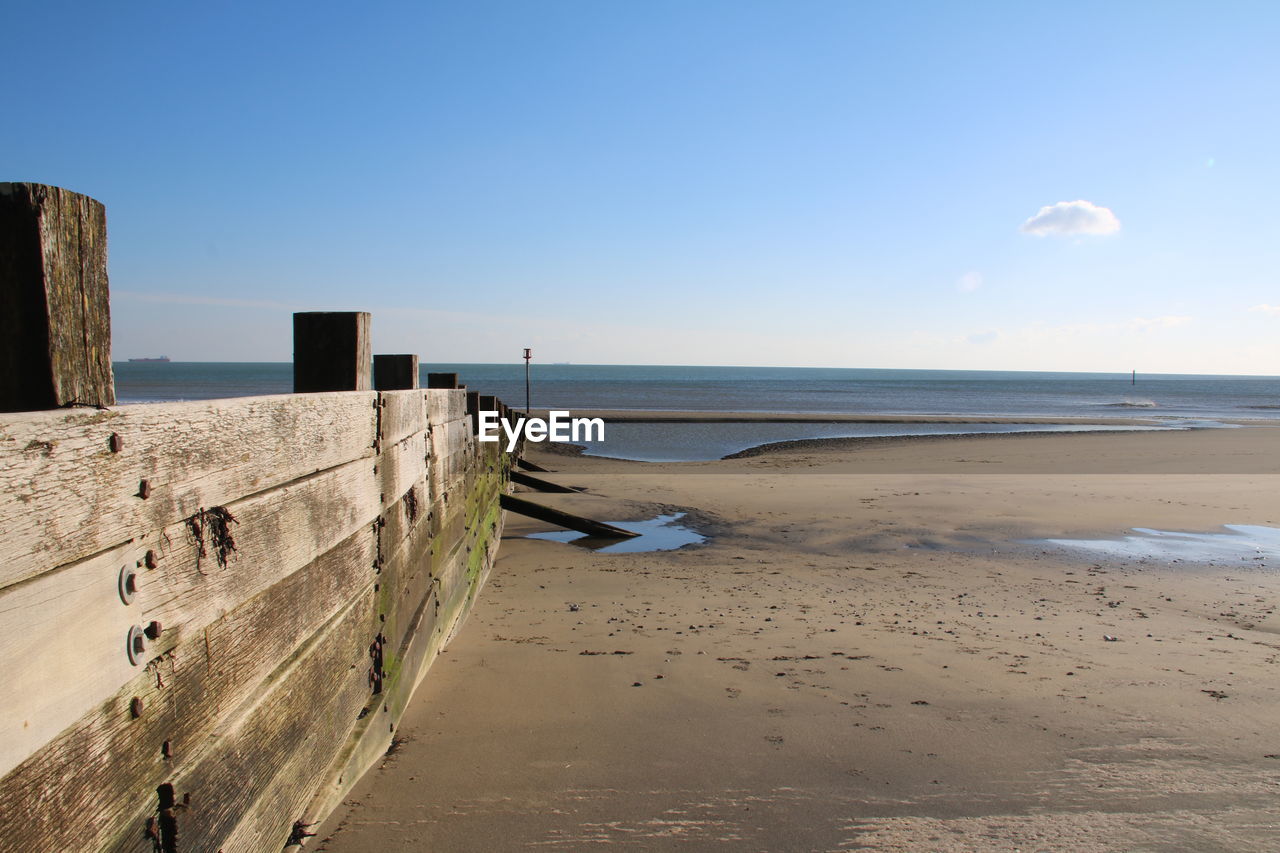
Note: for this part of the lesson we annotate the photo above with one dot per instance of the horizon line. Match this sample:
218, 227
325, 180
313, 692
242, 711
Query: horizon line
520, 364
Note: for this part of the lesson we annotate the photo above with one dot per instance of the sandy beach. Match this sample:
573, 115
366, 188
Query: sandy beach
868, 653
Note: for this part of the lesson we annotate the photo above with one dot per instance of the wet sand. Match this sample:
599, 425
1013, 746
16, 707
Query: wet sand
865, 655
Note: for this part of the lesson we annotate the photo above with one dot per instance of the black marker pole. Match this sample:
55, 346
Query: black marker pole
528, 354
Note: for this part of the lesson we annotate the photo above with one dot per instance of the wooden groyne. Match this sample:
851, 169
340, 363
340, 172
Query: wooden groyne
212, 613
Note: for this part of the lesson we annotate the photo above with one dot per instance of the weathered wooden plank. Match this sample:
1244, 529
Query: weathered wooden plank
62, 650
398, 521
264, 826
275, 532
332, 351
449, 469
65, 495
262, 769
405, 580
452, 437
400, 465
55, 319
448, 527
402, 413
209, 688
92, 786
371, 736
444, 405
450, 570
439, 617
447, 479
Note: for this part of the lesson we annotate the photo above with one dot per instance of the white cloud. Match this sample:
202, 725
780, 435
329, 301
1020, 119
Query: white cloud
969, 282
1072, 217
1266, 309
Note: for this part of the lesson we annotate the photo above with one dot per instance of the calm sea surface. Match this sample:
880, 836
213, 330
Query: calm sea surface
767, 389
770, 389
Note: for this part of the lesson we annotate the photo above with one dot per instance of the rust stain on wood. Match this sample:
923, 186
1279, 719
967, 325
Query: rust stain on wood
214, 523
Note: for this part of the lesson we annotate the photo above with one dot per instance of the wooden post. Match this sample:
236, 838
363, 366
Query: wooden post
395, 372
55, 317
473, 409
331, 351
442, 380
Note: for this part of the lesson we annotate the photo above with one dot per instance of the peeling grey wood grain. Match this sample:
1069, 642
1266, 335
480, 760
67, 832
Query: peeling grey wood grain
276, 532
65, 495
444, 405
105, 767
402, 414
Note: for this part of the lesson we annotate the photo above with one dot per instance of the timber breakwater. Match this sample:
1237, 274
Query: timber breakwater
213, 613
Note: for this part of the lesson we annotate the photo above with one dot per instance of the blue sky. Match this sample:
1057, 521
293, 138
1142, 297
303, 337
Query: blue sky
784, 183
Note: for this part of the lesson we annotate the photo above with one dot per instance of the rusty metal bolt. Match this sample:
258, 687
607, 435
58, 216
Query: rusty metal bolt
127, 584
116, 443
153, 630
135, 707
137, 645
144, 489
150, 560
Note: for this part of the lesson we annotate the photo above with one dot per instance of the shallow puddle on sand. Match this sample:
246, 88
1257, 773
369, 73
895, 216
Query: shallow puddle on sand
656, 534
1250, 543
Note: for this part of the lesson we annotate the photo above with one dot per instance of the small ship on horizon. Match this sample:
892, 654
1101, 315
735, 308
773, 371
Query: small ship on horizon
163, 359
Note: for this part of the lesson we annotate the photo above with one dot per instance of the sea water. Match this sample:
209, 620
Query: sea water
1173, 400
771, 389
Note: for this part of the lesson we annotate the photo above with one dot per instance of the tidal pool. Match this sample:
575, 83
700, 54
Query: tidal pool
1250, 543
656, 534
